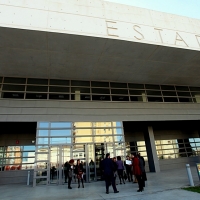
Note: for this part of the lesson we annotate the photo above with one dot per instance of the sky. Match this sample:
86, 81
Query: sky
188, 8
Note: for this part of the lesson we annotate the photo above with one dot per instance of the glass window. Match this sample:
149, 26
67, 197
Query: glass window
195, 89
186, 94
37, 88
60, 133
59, 82
186, 100
155, 99
59, 89
100, 91
13, 87
167, 87
1, 79
82, 124
140, 98
81, 132
119, 91
196, 94
102, 124
117, 124
136, 86
36, 96
80, 83
167, 93
80, 90
63, 140
156, 87
14, 80
137, 92
118, 131
118, 85
182, 88
59, 96
100, 97
82, 139
43, 140
120, 98
37, 81
99, 84
13, 95
60, 124
40, 157
156, 93
29, 148
101, 139
105, 131
43, 132
43, 124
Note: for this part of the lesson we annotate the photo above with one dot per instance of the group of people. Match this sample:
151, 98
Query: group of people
69, 168
134, 166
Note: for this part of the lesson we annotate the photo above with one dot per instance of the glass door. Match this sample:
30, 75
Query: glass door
99, 156
79, 151
58, 156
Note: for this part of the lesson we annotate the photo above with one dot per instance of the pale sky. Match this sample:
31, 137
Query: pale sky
189, 8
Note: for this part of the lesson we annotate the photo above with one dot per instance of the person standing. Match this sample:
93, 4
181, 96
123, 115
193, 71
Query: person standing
70, 172
120, 169
79, 173
115, 169
138, 172
142, 167
128, 166
66, 170
108, 170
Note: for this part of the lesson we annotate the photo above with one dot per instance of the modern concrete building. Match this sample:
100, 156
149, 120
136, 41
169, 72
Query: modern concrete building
82, 78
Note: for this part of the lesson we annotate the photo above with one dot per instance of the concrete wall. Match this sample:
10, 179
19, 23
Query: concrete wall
15, 176
102, 19
38, 110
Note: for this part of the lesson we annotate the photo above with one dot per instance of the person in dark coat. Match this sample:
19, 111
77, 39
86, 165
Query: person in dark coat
108, 170
79, 173
66, 170
142, 167
70, 172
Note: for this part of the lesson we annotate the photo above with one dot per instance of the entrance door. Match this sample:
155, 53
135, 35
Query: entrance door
58, 156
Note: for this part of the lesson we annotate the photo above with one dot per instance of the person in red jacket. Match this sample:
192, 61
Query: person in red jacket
137, 172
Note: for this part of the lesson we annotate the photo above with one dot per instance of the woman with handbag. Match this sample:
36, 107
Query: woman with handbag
79, 173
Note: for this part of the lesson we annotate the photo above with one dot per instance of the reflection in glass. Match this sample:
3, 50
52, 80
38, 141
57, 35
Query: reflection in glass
82, 124
43, 124
42, 140
43, 133
60, 133
65, 140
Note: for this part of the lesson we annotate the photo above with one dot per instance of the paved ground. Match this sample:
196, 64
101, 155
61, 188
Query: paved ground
160, 186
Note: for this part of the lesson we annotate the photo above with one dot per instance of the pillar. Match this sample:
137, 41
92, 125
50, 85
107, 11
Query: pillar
151, 149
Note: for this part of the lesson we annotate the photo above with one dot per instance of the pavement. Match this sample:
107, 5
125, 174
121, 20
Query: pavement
165, 185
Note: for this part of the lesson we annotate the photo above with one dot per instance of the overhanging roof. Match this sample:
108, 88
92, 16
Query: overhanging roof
38, 54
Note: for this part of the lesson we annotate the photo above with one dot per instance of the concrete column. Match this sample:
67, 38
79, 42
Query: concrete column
151, 150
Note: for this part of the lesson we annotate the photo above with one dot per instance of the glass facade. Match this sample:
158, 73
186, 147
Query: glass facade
177, 148
17, 157
58, 142
73, 90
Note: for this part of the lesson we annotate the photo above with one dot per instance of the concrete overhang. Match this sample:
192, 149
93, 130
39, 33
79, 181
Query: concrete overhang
40, 54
